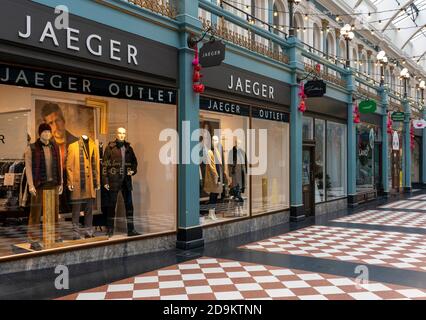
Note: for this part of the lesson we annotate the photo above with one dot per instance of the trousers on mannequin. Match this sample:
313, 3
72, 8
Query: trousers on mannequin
128, 203
88, 218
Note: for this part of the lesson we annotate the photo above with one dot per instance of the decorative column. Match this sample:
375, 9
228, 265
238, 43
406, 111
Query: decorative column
324, 25
369, 63
352, 147
406, 173
385, 141
360, 48
297, 212
190, 233
338, 53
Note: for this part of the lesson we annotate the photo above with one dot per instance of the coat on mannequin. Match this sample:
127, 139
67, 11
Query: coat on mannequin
120, 164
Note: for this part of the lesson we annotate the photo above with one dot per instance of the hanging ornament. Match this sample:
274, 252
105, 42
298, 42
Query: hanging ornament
357, 117
302, 97
389, 124
197, 86
412, 136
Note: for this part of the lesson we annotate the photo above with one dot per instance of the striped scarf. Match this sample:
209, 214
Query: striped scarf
84, 152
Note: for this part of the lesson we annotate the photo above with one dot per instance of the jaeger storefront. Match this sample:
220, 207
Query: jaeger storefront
244, 122
100, 96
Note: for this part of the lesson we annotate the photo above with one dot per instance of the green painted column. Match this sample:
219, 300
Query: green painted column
297, 211
351, 145
423, 151
406, 173
385, 141
190, 233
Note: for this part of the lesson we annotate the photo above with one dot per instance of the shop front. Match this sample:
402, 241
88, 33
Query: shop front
416, 159
368, 158
395, 159
79, 154
324, 156
245, 141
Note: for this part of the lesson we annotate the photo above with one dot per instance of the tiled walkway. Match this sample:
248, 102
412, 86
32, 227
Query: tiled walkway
374, 252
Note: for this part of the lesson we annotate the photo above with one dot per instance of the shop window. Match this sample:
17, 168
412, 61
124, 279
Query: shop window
320, 161
224, 184
336, 177
365, 136
308, 128
104, 196
415, 161
270, 191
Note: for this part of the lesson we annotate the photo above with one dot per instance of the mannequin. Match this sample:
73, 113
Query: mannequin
238, 169
214, 176
120, 164
44, 172
83, 178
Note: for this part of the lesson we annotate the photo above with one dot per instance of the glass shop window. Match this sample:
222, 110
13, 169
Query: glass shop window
319, 161
76, 169
224, 180
336, 177
271, 190
365, 136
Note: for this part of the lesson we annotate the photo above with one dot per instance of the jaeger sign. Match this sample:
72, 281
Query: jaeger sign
33, 25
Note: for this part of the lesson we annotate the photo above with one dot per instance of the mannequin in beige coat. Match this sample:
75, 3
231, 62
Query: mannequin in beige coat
83, 177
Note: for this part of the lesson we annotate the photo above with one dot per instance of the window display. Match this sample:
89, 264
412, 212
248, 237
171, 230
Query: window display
227, 189
336, 160
78, 169
415, 160
319, 168
365, 135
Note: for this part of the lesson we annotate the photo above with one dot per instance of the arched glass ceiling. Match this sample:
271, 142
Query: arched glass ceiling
403, 21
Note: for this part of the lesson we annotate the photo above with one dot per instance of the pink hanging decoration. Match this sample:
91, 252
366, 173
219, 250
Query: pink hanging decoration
412, 136
389, 124
302, 97
357, 117
197, 86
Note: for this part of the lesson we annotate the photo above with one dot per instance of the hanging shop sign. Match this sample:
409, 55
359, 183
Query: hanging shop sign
85, 85
395, 141
241, 82
419, 124
223, 106
267, 114
212, 53
367, 106
34, 25
315, 88
398, 116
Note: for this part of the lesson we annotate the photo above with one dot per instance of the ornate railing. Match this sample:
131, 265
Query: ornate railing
165, 8
325, 75
220, 30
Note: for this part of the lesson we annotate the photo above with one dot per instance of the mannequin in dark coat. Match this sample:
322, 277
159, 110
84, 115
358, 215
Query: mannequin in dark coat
117, 172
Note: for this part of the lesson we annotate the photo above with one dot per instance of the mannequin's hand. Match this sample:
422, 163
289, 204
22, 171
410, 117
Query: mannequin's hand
130, 173
60, 189
97, 188
71, 188
106, 186
33, 191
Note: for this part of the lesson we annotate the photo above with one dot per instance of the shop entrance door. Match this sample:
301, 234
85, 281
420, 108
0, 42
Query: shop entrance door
395, 170
308, 175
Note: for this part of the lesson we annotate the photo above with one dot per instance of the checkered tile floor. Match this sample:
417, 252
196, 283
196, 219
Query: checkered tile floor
387, 218
219, 279
415, 203
390, 249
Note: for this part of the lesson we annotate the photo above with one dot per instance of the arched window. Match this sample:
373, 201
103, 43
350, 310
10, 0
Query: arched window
330, 45
298, 25
316, 37
279, 17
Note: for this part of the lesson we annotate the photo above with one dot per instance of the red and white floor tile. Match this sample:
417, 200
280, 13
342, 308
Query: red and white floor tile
418, 204
220, 279
390, 249
387, 218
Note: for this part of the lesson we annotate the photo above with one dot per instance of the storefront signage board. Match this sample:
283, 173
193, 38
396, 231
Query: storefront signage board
212, 54
32, 25
267, 114
367, 106
85, 85
398, 116
223, 106
234, 80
